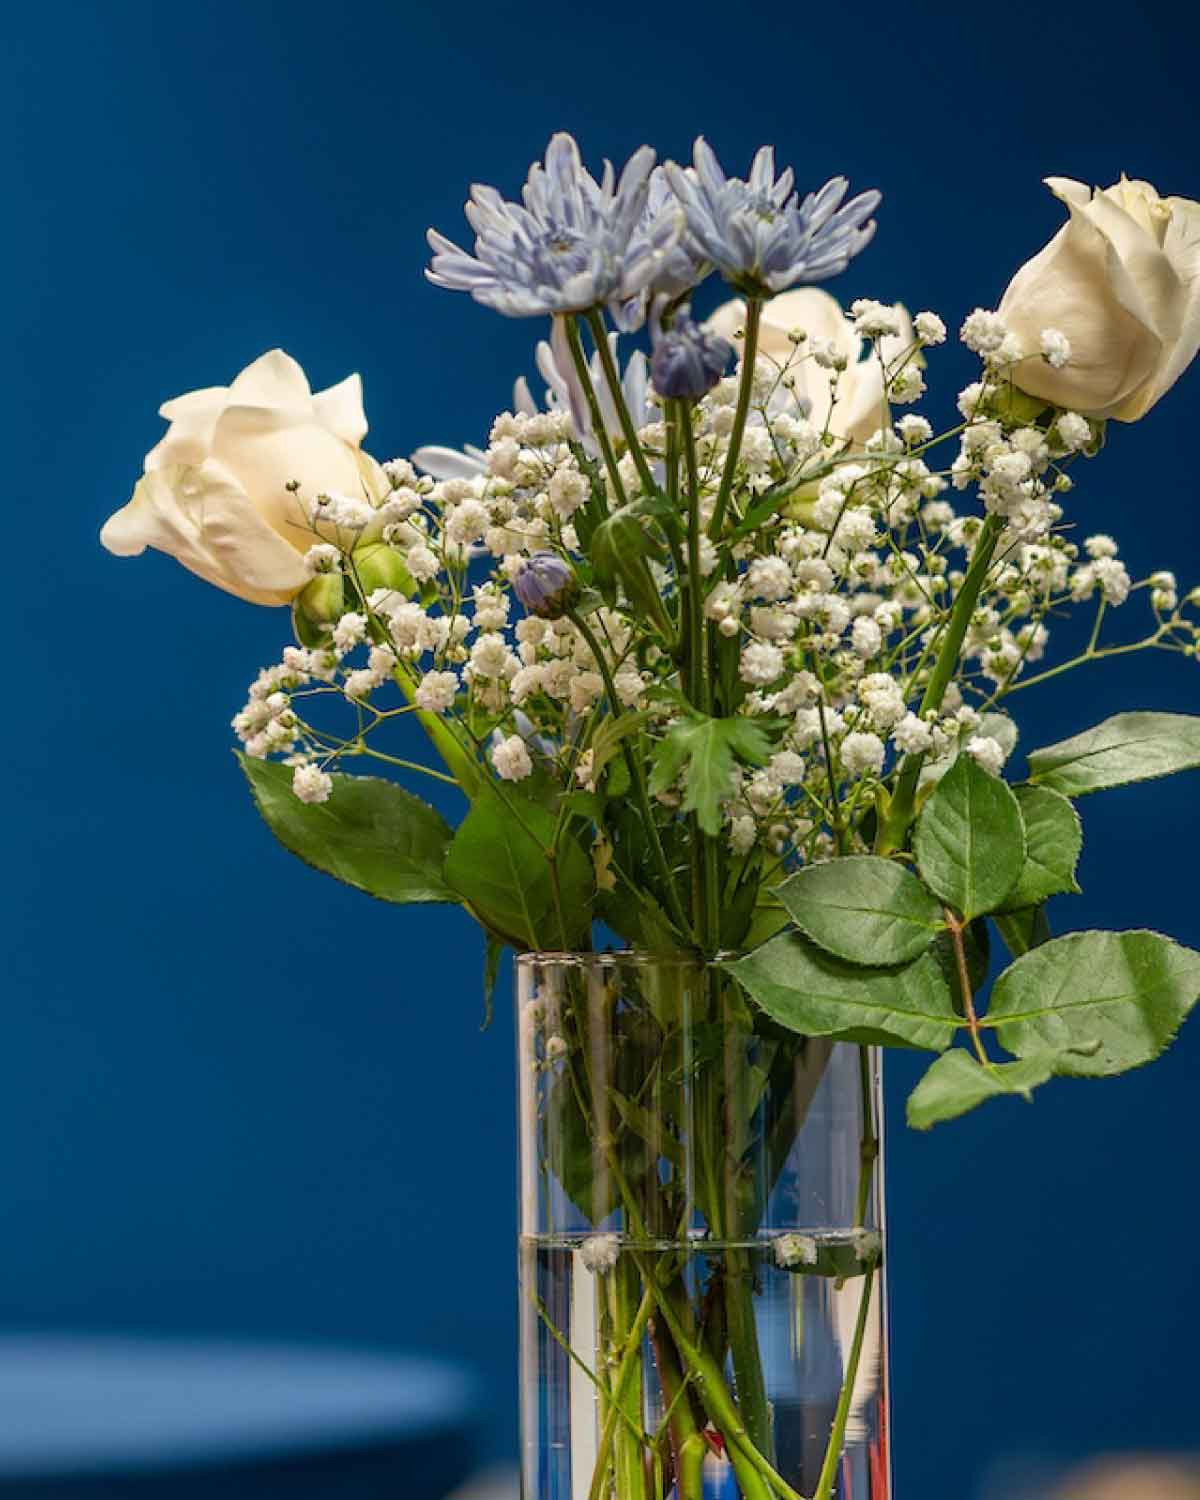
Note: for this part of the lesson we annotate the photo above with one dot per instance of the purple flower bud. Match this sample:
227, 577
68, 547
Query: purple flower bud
546, 586
687, 360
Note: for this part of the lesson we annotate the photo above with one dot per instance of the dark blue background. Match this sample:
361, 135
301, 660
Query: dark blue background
235, 1096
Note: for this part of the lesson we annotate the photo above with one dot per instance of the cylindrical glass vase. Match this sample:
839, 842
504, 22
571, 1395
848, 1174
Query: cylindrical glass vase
701, 1242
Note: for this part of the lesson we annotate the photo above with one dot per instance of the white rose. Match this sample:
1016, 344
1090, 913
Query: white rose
1121, 280
214, 492
859, 411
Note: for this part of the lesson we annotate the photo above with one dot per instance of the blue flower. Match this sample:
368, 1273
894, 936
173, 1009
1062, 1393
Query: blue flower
756, 232
688, 360
546, 585
682, 267
574, 245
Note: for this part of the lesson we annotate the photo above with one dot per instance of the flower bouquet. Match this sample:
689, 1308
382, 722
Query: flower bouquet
718, 639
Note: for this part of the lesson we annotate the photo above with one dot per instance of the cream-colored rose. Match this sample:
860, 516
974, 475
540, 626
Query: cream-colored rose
214, 492
859, 411
1122, 280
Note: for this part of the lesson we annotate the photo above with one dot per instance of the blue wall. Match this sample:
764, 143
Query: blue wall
235, 1096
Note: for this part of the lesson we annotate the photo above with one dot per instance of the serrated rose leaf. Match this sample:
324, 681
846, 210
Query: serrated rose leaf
956, 1083
1100, 1002
1053, 842
815, 994
969, 840
1126, 748
864, 909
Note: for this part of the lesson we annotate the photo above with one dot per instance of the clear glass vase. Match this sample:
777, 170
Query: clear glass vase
701, 1251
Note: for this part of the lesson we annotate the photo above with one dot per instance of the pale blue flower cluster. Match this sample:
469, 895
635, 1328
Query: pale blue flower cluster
682, 267
756, 232
575, 244
636, 244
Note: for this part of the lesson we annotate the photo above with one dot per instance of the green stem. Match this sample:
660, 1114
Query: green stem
894, 828
747, 1357
687, 1442
837, 1436
757, 1477
637, 777
1096, 654
460, 764
628, 1396
579, 358
868, 1150
627, 1369
754, 309
705, 854
613, 378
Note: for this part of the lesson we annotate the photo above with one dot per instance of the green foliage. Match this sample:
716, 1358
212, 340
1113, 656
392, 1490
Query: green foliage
1100, 1002
621, 549
613, 731
499, 865
493, 952
864, 909
969, 840
818, 995
1128, 747
708, 748
977, 948
371, 833
956, 1083
1053, 841
1024, 929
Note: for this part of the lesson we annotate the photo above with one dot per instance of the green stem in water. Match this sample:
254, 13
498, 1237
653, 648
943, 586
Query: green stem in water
687, 1443
894, 828
837, 1436
757, 1477
628, 1395
627, 1370
747, 1357
754, 309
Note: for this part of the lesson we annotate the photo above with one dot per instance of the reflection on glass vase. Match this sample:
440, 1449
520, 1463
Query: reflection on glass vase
701, 1251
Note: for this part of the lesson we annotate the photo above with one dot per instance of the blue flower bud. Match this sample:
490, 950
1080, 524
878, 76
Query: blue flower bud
687, 360
546, 586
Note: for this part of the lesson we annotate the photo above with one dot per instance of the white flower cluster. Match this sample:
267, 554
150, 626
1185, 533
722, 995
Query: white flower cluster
830, 608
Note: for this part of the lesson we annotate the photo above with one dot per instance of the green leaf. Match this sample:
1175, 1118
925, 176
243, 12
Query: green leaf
865, 909
1053, 841
708, 748
817, 995
1106, 1001
955, 1083
620, 550
612, 731
572, 1155
493, 953
969, 841
498, 864
1024, 929
371, 833
1127, 747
